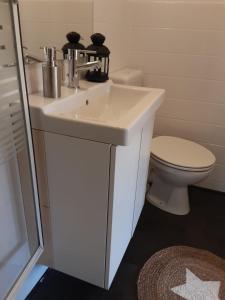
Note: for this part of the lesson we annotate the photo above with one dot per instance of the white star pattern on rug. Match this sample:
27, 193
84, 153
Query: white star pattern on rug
197, 289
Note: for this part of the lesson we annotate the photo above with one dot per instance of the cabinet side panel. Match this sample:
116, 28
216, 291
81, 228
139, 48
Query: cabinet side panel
78, 177
143, 170
41, 168
40, 158
123, 178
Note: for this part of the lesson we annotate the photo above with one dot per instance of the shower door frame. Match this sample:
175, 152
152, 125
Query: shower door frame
24, 100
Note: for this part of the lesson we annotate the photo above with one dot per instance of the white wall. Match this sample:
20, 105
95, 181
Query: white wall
110, 18
180, 46
46, 22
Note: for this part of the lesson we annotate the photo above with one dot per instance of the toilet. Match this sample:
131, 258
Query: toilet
176, 163
127, 76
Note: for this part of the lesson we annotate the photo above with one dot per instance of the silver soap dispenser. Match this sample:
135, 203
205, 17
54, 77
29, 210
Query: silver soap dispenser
52, 74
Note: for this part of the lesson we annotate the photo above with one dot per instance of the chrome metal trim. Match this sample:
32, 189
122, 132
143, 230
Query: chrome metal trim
36, 256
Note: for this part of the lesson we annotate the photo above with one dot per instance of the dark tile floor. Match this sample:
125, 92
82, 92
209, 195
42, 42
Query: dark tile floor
203, 228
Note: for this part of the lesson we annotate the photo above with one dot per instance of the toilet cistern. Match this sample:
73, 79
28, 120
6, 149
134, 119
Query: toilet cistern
75, 66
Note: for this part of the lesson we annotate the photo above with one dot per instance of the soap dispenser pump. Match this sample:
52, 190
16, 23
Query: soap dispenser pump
52, 74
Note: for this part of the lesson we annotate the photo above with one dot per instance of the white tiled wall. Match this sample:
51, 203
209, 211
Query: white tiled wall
46, 22
110, 18
180, 45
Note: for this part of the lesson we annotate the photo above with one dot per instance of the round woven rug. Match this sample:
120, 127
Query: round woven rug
182, 272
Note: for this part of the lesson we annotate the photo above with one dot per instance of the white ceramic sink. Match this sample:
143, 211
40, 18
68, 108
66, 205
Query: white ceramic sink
107, 113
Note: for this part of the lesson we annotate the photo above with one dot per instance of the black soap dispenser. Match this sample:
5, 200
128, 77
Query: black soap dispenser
73, 43
102, 54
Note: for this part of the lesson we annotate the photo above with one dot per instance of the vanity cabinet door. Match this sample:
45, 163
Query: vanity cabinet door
123, 178
78, 182
143, 167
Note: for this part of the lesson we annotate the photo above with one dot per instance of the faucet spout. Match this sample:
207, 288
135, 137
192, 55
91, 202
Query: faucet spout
89, 65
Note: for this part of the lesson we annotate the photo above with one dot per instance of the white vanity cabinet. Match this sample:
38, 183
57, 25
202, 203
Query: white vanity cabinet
92, 148
143, 168
78, 180
95, 196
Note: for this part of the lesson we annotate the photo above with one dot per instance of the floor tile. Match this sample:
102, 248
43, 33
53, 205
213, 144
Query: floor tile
203, 228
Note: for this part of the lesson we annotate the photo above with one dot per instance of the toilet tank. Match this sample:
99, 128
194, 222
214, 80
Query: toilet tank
127, 76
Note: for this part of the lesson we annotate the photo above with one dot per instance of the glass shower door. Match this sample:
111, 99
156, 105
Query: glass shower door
20, 227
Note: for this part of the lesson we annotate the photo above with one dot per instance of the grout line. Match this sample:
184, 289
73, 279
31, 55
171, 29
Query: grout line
172, 99
145, 52
190, 121
161, 52
150, 27
182, 76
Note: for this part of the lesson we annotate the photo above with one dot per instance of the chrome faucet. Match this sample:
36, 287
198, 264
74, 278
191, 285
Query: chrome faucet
75, 66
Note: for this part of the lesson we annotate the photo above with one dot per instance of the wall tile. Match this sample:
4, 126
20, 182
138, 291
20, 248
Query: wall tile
217, 136
193, 111
188, 88
197, 131
185, 129
180, 46
5, 18
212, 184
193, 42
218, 172
195, 66
108, 11
182, 15
110, 19
34, 11
219, 152
71, 12
52, 20
167, 40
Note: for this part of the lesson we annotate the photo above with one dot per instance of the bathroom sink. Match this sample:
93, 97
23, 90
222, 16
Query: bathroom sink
108, 106
107, 112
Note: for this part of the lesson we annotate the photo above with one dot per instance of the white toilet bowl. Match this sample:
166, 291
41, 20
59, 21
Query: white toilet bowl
176, 163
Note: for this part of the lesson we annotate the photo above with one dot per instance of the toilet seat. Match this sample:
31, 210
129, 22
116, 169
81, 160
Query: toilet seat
180, 167
182, 154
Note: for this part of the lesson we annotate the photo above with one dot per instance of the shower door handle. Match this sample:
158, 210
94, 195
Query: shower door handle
9, 65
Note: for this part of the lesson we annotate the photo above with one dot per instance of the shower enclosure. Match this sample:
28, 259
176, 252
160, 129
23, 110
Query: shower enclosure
20, 227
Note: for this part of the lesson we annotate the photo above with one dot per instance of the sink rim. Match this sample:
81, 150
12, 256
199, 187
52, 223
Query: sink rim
130, 117
118, 132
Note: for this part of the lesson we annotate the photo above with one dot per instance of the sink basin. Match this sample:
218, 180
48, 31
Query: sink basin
110, 106
107, 112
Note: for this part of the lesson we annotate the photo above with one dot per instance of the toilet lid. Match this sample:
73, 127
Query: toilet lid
181, 152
